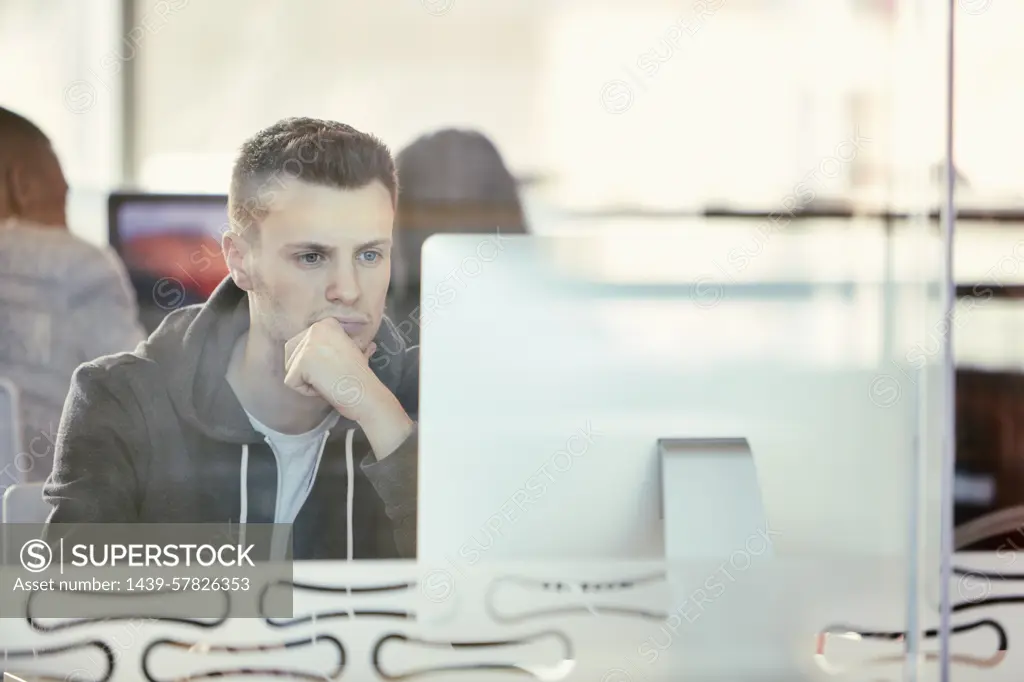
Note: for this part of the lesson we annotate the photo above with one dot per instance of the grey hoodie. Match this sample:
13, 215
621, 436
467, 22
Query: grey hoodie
158, 436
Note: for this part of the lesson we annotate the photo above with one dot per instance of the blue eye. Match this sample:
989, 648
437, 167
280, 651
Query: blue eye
371, 257
310, 258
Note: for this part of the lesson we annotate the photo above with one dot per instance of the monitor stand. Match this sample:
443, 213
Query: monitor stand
710, 500
725, 601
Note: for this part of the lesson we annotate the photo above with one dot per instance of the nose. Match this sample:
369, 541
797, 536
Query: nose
344, 286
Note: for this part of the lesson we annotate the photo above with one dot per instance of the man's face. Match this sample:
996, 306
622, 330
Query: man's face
322, 252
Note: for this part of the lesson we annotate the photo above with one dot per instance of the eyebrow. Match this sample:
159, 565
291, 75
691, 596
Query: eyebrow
324, 248
371, 244
309, 246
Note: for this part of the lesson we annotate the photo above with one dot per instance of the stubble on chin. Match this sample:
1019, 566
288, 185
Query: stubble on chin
270, 312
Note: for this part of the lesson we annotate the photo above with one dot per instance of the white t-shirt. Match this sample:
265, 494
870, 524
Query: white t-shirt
298, 456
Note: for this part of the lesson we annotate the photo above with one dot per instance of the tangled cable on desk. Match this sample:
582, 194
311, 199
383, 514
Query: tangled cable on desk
550, 673
348, 613
850, 632
1003, 643
108, 653
247, 670
33, 621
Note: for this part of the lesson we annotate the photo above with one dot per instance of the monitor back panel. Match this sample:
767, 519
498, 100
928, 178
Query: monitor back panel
543, 397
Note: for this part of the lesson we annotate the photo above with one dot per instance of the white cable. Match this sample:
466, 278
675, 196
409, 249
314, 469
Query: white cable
350, 471
244, 514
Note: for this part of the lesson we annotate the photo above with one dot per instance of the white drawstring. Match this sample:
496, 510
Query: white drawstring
350, 471
244, 514
349, 502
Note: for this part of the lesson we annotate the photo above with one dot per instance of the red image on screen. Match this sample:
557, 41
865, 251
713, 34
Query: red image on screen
174, 240
195, 260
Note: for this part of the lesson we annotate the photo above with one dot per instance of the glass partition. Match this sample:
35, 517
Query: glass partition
698, 422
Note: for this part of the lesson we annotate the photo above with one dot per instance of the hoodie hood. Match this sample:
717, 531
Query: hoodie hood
192, 348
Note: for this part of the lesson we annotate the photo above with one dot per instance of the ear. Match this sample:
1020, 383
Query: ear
7, 205
20, 188
236, 254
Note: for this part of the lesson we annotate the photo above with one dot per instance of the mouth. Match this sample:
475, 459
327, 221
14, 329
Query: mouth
352, 325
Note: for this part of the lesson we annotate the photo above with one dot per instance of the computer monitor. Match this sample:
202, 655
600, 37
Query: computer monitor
546, 388
170, 244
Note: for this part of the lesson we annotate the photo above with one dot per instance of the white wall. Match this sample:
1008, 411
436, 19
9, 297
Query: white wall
742, 108
752, 95
223, 70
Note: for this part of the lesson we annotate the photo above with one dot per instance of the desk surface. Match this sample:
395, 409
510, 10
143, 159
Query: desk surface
745, 618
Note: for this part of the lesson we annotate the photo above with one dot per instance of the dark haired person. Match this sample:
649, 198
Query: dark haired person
63, 301
453, 181
260, 406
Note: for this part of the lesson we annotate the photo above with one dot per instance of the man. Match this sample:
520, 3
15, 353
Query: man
63, 301
253, 407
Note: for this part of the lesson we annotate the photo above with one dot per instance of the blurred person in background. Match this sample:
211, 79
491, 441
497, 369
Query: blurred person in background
63, 301
452, 182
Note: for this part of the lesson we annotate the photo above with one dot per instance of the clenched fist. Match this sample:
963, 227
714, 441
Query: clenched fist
324, 361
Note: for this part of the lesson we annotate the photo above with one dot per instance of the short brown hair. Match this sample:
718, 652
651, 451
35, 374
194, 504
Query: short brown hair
310, 150
19, 136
